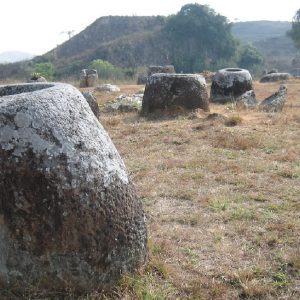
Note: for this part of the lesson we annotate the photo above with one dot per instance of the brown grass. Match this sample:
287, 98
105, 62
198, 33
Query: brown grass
222, 199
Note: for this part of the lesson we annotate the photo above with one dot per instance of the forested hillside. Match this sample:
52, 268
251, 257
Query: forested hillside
271, 40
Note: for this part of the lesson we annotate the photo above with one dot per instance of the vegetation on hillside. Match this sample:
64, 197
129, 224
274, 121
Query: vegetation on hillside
249, 58
106, 70
254, 31
294, 33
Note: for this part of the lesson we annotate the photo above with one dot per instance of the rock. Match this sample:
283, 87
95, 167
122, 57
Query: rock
169, 69
247, 100
92, 101
69, 215
36, 77
125, 103
275, 102
88, 78
273, 77
107, 88
175, 91
229, 84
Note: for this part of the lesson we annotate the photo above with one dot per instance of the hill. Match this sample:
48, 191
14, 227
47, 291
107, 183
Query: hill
133, 41
124, 41
254, 31
194, 39
270, 39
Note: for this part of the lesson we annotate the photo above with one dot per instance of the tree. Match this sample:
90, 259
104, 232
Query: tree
294, 33
46, 70
199, 38
249, 57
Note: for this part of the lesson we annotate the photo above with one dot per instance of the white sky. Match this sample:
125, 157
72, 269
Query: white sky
35, 26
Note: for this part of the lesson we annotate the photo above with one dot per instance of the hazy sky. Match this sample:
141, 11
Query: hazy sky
36, 26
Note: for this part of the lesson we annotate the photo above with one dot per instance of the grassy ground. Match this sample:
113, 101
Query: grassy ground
222, 200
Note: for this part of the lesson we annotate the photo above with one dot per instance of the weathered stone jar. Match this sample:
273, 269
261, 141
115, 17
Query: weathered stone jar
229, 84
69, 215
167, 92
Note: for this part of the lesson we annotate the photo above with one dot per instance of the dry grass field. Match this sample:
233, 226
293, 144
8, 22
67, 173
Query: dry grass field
222, 199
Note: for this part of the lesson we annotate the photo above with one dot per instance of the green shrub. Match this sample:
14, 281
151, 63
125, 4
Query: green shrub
106, 70
46, 70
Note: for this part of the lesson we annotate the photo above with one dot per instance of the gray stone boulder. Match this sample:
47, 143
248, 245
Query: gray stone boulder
125, 103
247, 100
88, 78
273, 77
169, 69
107, 87
69, 215
175, 92
229, 84
275, 102
92, 101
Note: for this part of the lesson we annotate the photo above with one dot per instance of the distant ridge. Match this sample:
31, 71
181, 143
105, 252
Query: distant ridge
254, 31
270, 39
14, 56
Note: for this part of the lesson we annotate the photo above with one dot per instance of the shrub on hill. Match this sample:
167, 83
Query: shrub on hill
106, 70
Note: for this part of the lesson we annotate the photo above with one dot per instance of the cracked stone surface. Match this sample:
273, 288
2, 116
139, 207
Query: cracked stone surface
69, 215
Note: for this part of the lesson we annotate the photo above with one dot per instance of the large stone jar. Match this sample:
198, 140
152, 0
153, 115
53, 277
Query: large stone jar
170, 92
69, 215
88, 78
229, 84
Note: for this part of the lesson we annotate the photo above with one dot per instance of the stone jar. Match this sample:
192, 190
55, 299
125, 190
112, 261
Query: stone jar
229, 84
69, 214
170, 92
